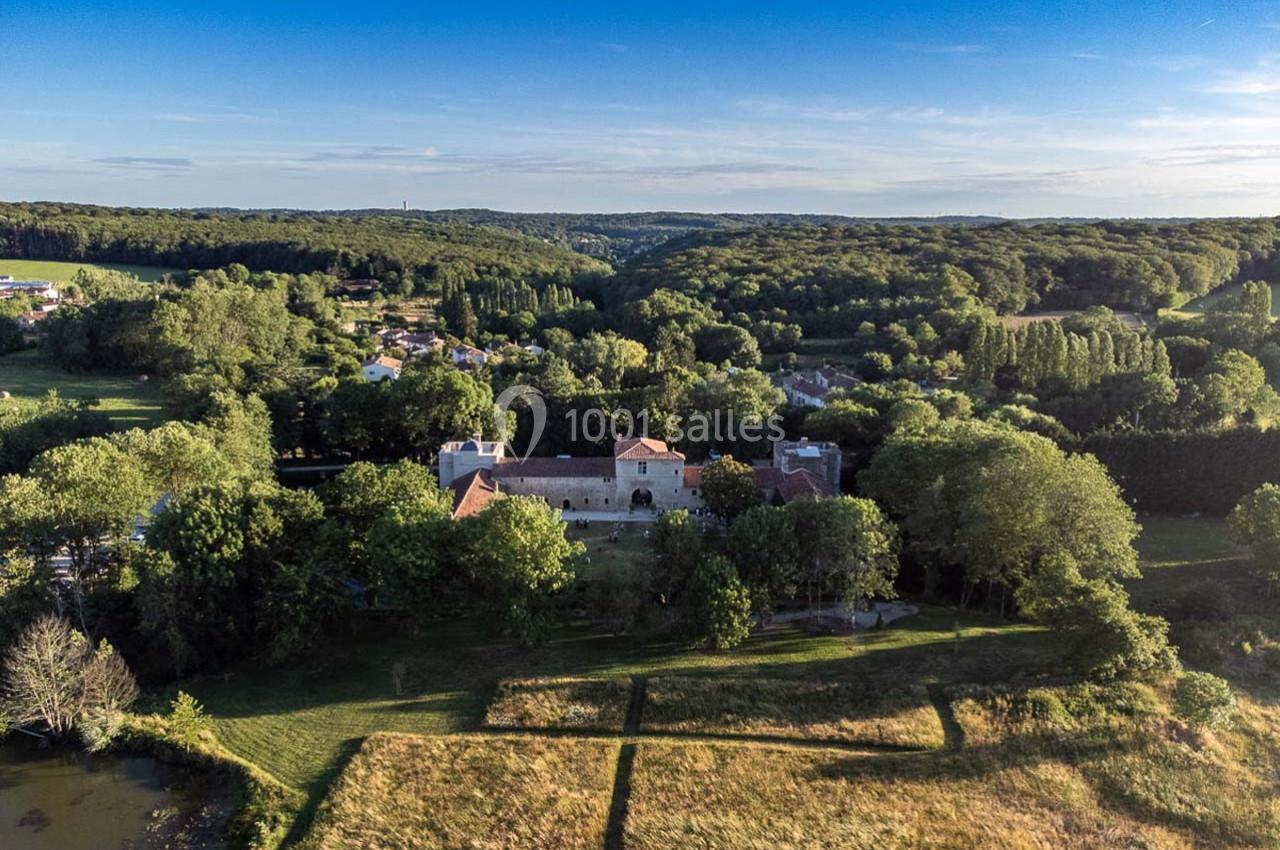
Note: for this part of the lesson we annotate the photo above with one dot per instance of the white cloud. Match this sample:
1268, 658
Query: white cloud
1262, 79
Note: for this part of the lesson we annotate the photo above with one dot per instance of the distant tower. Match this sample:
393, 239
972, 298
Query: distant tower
406, 205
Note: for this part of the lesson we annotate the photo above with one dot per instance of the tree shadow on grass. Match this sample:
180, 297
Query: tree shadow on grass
319, 789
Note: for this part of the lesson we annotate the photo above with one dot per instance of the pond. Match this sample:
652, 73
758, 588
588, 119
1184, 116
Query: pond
64, 799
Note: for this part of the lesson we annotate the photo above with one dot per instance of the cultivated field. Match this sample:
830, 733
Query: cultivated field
405, 792
59, 272
127, 400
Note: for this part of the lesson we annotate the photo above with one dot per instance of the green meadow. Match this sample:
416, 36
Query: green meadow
129, 401
60, 272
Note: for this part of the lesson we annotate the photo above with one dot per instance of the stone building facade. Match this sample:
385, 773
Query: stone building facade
642, 473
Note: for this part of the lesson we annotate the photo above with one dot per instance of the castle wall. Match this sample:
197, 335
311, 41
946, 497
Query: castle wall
589, 494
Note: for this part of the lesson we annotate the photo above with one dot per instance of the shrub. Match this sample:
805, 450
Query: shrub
187, 720
1045, 705
1203, 699
100, 728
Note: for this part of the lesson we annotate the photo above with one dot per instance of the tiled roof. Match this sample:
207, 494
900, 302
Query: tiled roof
808, 388
472, 493
642, 448
693, 476
767, 477
802, 483
793, 485
555, 467
389, 362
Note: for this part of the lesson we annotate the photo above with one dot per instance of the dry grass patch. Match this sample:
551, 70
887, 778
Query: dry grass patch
762, 798
818, 711
599, 704
411, 792
1122, 744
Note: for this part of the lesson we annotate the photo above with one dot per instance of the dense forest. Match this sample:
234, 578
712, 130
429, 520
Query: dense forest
832, 276
990, 461
620, 236
394, 250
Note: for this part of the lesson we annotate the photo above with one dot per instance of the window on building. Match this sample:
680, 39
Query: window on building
606, 500
695, 492
675, 472
642, 467
586, 500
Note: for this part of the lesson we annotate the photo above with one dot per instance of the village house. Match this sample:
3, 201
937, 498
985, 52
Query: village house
466, 355
377, 369
641, 474
28, 320
420, 344
811, 389
10, 288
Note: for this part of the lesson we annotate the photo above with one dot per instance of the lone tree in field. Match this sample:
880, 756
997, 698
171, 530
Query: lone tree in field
729, 487
55, 679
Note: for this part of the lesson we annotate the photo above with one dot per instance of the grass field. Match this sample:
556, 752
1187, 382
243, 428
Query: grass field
407, 792
848, 712
300, 721
1094, 780
1131, 320
757, 798
129, 402
59, 272
632, 550
599, 704
1199, 304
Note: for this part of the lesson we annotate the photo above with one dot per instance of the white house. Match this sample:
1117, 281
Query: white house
28, 320
377, 369
803, 392
10, 288
465, 354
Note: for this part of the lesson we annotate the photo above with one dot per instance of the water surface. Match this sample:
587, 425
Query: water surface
63, 799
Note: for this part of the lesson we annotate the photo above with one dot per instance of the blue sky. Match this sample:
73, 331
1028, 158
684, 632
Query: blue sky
1029, 109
